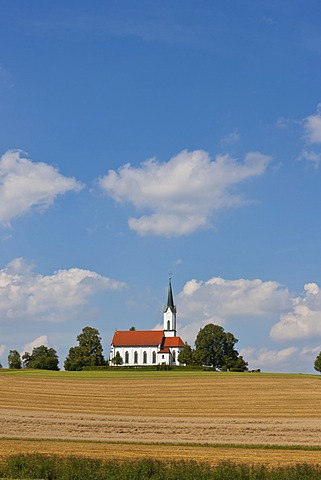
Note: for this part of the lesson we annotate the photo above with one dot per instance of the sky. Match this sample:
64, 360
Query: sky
139, 138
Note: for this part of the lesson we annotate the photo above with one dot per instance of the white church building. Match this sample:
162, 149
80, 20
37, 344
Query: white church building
150, 347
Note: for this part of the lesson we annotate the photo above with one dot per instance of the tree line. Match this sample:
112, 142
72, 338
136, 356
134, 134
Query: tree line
88, 353
213, 348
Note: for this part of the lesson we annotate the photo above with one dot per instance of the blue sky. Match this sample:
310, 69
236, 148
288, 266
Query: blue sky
142, 137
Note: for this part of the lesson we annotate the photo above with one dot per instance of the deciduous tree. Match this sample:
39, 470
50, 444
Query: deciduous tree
215, 347
89, 352
14, 359
42, 357
187, 355
317, 363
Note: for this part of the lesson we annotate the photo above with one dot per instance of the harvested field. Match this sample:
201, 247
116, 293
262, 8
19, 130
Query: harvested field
163, 407
212, 455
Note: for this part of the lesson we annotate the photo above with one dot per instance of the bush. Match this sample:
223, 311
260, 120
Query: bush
163, 366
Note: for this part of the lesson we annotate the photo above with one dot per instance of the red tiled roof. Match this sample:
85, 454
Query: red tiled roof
137, 338
173, 342
164, 350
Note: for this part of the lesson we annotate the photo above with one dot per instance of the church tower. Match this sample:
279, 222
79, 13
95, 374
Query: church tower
170, 313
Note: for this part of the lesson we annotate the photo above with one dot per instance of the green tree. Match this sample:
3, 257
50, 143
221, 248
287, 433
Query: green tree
74, 360
317, 363
239, 365
215, 347
14, 359
42, 357
186, 356
118, 359
88, 353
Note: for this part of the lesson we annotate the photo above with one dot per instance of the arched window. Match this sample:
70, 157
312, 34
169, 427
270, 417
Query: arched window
145, 357
126, 357
154, 357
174, 356
135, 357
168, 325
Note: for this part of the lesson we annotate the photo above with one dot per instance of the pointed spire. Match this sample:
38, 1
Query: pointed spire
170, 299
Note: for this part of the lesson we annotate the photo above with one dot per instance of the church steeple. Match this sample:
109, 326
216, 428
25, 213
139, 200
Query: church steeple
170, 312
170, 299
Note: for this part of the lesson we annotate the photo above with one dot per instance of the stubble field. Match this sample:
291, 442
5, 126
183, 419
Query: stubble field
250, 418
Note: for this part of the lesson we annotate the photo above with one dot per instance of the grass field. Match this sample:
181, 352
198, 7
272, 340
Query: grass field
169, 415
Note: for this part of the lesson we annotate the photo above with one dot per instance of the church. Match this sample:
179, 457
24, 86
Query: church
150, 347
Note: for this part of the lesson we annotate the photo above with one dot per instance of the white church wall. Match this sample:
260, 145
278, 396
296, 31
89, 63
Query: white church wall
144, 355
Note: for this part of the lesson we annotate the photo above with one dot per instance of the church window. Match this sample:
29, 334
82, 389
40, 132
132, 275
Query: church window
144, 357
154, 357
174, 356
135, 357
126, 357
168, 325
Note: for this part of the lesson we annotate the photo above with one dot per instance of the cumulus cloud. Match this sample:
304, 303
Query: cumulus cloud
183, 193
37, 342
284, 360
26, 185
304, 318
218, 299
25, 294
294, 317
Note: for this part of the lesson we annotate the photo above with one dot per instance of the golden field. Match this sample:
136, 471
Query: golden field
175, 414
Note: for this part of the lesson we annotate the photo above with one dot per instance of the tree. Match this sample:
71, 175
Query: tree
317, 363
215, 347
117, 360
42, 357
14, 359
132, 329
89, 352
240, 365
187, 355
74, 360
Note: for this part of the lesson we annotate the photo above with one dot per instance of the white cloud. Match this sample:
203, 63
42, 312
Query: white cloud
24, 294
312, 136
220, 301
37, 342
312, 127
284, 123
26, 185
304, 318
288, 359
311, 156
216, 300
3, 349
223, 299
231, 139
183, 193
